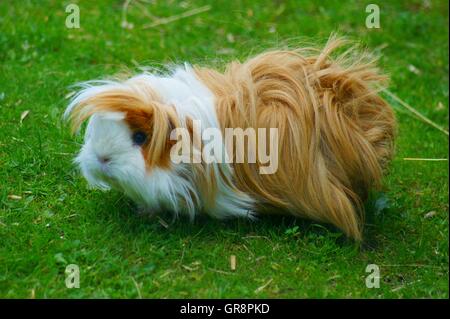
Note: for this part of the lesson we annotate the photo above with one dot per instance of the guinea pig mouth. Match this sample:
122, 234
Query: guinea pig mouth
106, 174
105, 177
105, 170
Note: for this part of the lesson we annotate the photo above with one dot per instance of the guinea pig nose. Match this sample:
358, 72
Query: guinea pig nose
103, 159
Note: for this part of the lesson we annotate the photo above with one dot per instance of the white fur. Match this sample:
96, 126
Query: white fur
158, 189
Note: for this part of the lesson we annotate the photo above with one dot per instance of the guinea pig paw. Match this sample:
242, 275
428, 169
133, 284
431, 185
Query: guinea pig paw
252, 215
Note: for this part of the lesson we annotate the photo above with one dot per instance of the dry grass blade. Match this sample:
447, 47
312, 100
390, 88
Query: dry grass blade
259, 289
422, 117
162, 222
412, 265
137, 287
220, 271
430, 214
24, 115
171, 19
125, 9
424, 159
233, 262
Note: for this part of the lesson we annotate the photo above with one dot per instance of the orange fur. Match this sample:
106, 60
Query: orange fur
335, 133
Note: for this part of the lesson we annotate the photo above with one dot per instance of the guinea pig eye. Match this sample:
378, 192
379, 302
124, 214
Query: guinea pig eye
139, 138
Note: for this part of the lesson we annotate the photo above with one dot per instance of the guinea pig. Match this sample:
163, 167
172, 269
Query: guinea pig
334, 136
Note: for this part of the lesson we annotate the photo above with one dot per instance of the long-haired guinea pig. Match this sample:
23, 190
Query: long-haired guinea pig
334, 136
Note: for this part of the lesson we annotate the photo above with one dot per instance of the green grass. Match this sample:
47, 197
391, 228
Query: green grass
58, 221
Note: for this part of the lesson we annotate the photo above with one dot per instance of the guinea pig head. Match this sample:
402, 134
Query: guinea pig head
127, 134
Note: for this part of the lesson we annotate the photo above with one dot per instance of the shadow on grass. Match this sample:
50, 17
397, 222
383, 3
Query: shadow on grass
122, 211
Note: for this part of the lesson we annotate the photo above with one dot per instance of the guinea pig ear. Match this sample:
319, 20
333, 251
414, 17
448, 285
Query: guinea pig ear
171, 122
157, 121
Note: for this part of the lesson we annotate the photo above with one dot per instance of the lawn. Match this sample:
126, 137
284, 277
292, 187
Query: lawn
50, 219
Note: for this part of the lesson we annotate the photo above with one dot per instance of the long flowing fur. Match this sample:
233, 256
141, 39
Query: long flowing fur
336, 134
